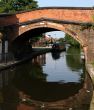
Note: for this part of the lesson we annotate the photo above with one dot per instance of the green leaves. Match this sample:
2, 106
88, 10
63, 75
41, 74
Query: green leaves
87, 26
18, 5
71, 40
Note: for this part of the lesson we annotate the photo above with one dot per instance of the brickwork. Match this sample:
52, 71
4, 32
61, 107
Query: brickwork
64, 19
68, 14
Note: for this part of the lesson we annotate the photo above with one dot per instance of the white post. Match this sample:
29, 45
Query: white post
0, 50
0, 47
6, 46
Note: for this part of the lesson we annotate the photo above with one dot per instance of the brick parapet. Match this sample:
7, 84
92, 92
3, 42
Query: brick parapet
75, 14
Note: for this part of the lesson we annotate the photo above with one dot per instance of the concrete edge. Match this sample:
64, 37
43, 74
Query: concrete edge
15, 63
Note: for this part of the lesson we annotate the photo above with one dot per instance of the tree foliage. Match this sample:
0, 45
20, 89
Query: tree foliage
35, 38
71, 40
18, 5
73, 58
61, 40
87, 26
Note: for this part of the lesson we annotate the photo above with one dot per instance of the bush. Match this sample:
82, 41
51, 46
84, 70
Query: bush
17, 5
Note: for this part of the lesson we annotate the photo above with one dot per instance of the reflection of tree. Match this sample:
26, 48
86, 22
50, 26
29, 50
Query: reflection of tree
73, 58
55, 55
74, 62
28, 77
37, 72
82, 75
30, 71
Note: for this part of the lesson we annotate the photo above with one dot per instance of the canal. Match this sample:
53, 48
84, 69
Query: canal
51, 81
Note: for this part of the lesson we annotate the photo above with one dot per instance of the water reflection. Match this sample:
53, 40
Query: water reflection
55, 55
47, 91
63, 69
37, 85
73, 59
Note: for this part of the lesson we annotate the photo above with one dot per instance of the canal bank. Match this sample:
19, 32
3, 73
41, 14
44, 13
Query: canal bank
90, 70
36, 51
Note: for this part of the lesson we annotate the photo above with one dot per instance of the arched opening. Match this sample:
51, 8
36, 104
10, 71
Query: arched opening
30, 31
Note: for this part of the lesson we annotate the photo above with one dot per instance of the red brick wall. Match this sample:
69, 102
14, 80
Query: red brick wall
60, 14
69, 14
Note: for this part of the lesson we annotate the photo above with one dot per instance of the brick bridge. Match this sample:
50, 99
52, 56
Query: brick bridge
75, 21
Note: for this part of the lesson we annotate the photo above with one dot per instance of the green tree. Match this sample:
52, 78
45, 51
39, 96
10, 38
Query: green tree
61, 40
71, 40
35, 38
19, 5
73, 55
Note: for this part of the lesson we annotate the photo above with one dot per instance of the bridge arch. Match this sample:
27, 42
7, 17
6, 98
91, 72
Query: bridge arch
49, 26
66, 19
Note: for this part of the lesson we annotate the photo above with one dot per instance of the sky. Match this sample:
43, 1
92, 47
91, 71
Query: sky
64, 3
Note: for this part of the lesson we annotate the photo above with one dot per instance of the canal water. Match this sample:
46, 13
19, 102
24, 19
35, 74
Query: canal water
51, 81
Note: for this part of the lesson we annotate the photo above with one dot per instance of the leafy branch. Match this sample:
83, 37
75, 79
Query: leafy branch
87, 26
